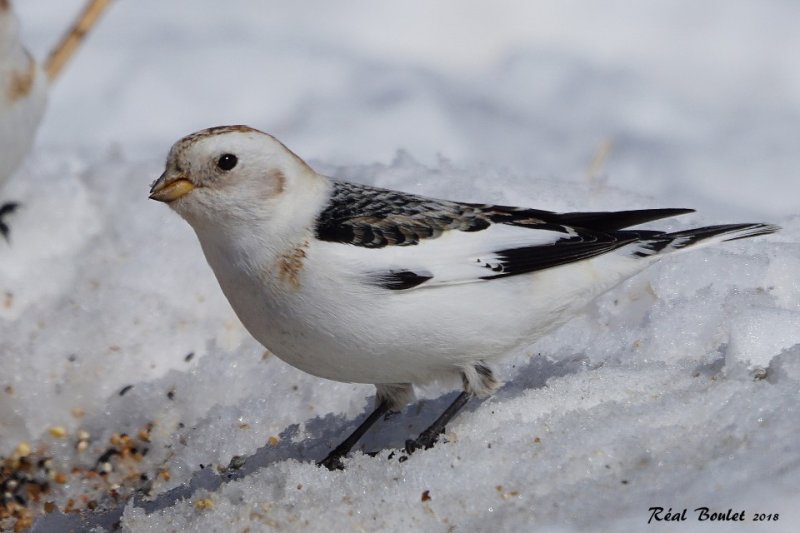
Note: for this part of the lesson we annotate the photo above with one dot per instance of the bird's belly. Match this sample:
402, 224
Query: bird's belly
307, 331
346, 332
388, 337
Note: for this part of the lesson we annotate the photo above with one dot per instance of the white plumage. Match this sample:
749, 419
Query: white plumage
23, 95
24, 86
358, 284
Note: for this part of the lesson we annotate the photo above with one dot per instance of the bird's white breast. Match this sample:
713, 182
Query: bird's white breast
322, 318
23, 95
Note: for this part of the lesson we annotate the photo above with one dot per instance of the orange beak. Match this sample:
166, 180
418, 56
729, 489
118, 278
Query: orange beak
170, 188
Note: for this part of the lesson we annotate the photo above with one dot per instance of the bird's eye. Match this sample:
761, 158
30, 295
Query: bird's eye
227, 161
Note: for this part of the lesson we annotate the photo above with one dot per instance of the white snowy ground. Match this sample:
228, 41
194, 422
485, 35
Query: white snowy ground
645, 400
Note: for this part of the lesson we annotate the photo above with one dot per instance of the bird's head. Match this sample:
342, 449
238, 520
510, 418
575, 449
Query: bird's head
229, 174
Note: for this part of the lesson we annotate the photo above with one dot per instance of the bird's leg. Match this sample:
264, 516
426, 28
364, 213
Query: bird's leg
479, 380
334, 459
429, 437
6, 209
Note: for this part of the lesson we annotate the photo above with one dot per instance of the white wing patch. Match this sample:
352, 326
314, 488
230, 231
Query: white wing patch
455, 257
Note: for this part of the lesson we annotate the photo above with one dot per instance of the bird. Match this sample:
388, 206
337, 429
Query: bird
360, 284
24, 87
23, 98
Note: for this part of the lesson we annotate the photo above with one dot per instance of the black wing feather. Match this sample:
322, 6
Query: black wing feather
400, 280
527, 259
615, 220
371, 217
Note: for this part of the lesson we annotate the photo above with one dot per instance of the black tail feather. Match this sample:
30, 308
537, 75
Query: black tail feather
616, 220
683, 239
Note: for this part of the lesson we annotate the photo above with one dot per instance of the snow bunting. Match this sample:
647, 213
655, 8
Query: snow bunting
359, 284
24, 84
23, 95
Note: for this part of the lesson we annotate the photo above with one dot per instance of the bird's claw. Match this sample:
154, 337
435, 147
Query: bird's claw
332, 462
6, 209
425, 441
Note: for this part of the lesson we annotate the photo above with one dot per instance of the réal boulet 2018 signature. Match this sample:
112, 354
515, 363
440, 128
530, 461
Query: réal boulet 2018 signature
704, 514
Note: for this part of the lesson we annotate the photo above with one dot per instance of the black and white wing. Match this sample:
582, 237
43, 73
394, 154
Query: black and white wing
401, 241
375, 218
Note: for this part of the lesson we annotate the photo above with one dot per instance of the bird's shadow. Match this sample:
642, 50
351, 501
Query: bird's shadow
319, 436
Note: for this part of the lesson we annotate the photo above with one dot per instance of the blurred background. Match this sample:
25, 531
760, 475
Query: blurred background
692, 101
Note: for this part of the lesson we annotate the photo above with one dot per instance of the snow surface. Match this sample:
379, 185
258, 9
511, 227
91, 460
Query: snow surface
677, 389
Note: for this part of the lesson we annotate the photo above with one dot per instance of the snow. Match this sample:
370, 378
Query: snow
677, 389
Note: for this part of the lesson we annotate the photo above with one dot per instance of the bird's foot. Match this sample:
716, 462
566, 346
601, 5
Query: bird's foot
429, 437
334, 459
425, 441
6, 209
332, 462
